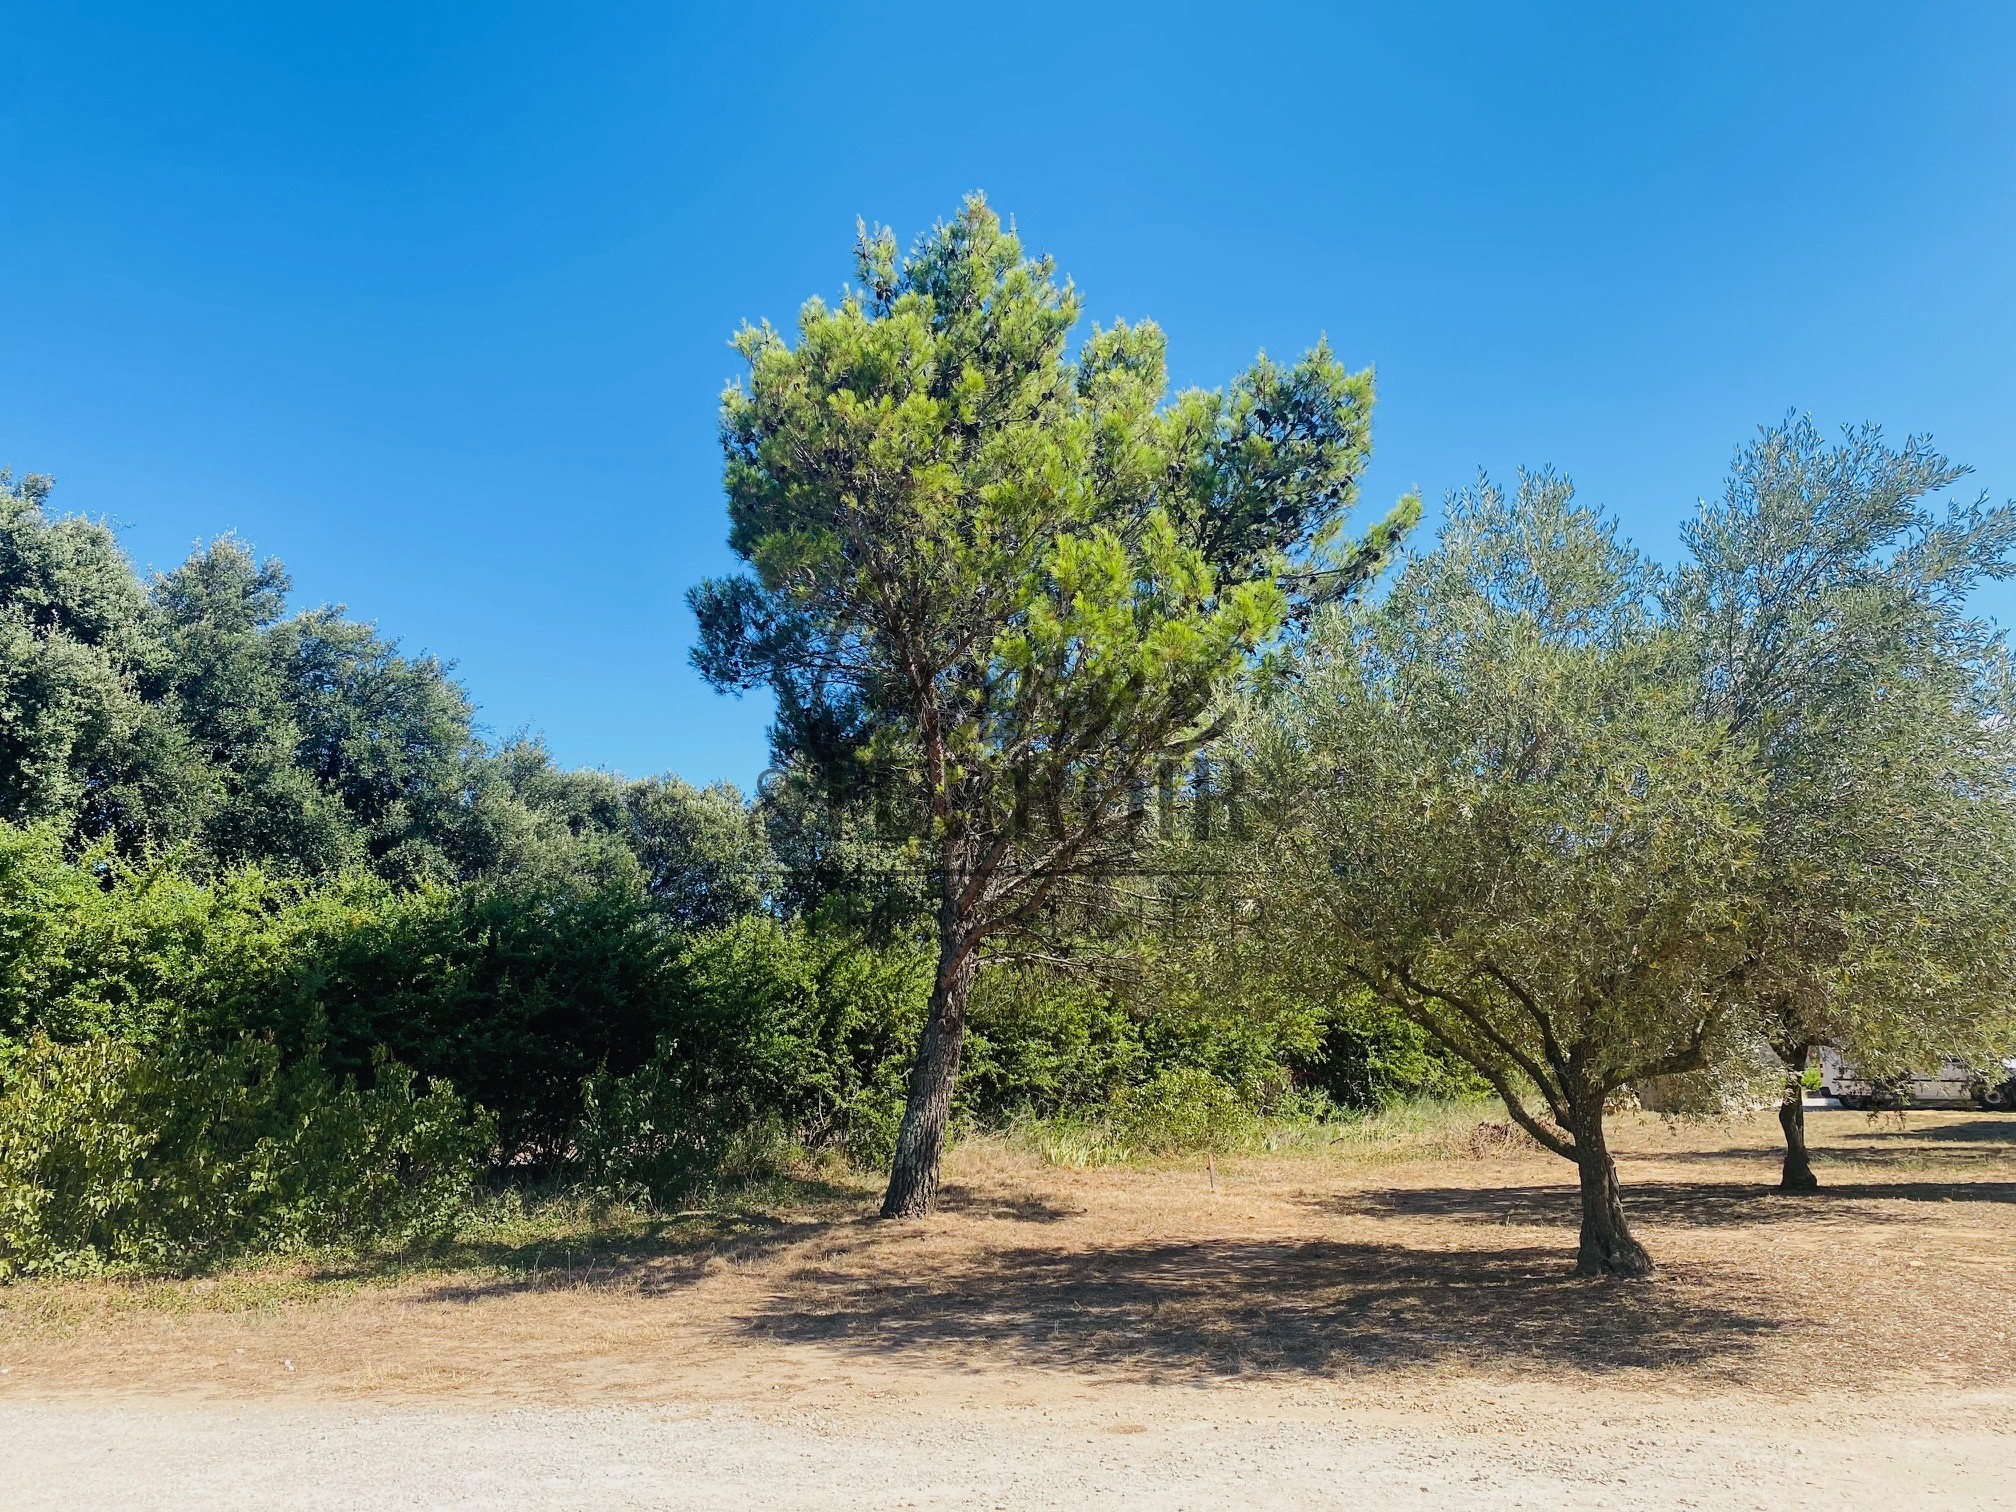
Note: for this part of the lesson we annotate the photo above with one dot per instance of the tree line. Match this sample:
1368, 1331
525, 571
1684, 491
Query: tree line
1518, 811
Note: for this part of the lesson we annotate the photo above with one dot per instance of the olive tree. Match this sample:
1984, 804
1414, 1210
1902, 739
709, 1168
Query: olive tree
1001, 584
1826, 603
1496, 807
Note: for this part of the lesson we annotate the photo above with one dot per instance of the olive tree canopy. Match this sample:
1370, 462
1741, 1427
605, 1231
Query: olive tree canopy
1498, 808
1825, 601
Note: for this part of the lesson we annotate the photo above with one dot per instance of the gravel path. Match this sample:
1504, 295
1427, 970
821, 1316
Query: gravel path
138, 1459
1302, 1333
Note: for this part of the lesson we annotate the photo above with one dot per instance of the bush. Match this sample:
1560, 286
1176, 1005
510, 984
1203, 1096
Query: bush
1180, 1111
1369, 1056
527, 997
142, 952
774, 1035
115, 1156
1216, 1002
516, 994
1039, 1045
231, 1062
1046, 1045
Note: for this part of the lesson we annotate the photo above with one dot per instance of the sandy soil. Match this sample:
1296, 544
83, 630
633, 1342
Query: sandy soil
1310, 1330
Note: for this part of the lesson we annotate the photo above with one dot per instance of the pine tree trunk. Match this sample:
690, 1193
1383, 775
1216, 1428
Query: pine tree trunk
920, 1139
1608, 1248
1798, 1173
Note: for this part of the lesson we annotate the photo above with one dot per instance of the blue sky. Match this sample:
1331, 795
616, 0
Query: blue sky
433, 302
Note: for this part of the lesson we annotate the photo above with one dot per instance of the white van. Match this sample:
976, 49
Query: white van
1955, 1084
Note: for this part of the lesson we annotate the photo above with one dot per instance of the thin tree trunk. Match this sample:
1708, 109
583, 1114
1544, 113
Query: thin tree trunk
1608, 1248
1798, 1173
920, 1139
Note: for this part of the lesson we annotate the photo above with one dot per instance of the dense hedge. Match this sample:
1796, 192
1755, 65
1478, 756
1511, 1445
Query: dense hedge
118, 1155
190, 1066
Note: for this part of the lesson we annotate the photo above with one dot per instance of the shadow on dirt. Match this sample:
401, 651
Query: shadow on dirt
1026, 1207
650, 1262
643, 1255
1223, 1308
1989, 1129
1687, 1204
655, 1256
1496, 1298
1874, 1142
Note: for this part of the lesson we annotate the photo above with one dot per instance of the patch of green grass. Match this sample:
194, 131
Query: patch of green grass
512, 1240
1139, 1134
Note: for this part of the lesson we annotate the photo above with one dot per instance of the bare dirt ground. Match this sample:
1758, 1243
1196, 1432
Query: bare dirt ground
1314, 1329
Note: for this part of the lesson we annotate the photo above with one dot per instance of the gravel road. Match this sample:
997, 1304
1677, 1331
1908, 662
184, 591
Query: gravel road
1302, 1333
137, 1459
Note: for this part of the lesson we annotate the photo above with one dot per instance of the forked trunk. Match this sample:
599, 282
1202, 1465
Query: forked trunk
1608, 1248
920, 1139
1798, 1174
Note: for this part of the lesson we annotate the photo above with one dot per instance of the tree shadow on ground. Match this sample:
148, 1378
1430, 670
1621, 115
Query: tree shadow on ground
1874, 1141
651, 1256
647, 1253
1245, 1308
1024, 1207
648, 1259
1989, 1129
1684, 1204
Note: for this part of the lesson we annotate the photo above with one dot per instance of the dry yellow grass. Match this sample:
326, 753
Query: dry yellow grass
1376, 1270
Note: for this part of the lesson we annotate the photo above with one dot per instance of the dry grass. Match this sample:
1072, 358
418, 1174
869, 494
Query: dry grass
1381, 1264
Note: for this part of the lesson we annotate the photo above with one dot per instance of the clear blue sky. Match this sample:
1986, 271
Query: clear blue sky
433, 301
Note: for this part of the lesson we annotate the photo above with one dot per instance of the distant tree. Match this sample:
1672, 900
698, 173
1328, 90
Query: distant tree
328, 747
528, 816
79, 746
1827, 606
197, 712
841, 859
701, 855
217, 678
1500, 811
706, 856
1000, 585
387, 735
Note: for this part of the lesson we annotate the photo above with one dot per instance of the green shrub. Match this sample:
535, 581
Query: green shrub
526, 997
227, 1058
646, 1138
1369, 1056
1214, 1002
116, 1156
1041, 1045
1180, 1111
773, 1035
139, 951
515, 994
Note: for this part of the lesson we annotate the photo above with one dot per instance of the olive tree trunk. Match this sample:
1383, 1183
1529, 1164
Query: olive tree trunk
1798, 1173
920, 1139
1608, 1248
